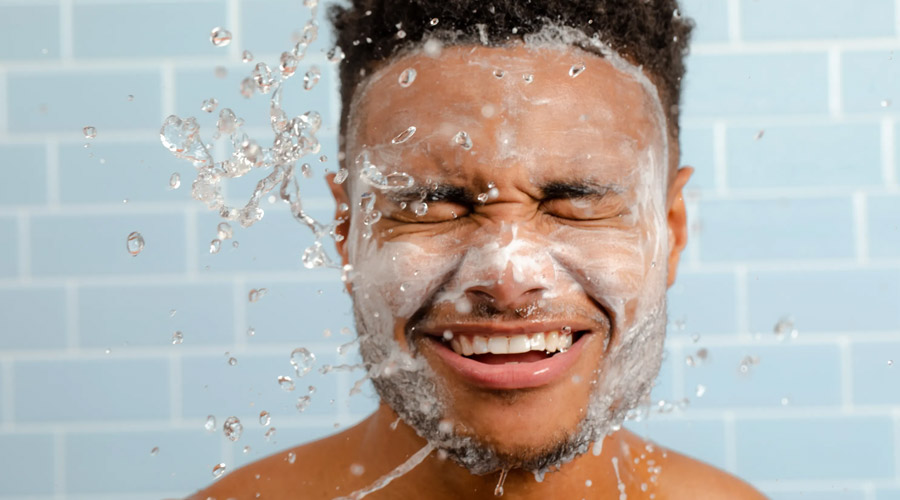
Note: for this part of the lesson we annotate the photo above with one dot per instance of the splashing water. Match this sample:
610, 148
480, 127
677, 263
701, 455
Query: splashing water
386, 479
134, 243
576, 69
175, 181
177, 337
302, 360
498, 490
210, 424
220, 37
257, 293
218, 470
233, 428
286, 383
463, 140
89, 132
407, 77
209, 105
264, 418
619, 484
247, 56
404, 136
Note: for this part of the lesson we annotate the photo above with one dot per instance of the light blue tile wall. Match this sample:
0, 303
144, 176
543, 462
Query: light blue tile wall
800, 222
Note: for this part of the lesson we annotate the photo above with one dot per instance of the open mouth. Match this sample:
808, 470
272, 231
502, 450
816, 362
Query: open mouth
508, 349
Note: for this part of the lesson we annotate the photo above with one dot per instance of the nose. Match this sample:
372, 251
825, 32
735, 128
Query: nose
511, 289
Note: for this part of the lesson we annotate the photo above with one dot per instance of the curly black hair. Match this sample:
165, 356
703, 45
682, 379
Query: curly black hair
648, 33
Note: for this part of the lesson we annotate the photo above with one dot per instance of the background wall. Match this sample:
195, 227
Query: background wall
784, 319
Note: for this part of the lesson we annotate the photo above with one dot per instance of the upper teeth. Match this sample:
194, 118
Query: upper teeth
552, 341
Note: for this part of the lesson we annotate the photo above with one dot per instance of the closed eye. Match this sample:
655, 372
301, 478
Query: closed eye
582, 201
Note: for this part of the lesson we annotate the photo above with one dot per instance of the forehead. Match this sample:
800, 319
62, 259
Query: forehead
516, 102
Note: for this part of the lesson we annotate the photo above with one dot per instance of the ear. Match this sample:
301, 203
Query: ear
343, 229
677, 219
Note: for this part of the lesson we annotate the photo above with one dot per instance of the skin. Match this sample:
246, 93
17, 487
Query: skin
546, 121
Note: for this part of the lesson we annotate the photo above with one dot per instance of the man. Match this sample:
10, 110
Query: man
512, 218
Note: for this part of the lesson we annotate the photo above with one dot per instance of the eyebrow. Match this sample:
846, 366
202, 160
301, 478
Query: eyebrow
577, 189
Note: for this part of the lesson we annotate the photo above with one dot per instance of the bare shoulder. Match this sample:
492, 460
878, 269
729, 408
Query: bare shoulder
683, 477
311, 471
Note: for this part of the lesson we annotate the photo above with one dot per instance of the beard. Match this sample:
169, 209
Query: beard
408, 385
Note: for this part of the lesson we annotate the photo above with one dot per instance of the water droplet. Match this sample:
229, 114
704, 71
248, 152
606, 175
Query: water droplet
262, 77
89, 132
107, 351
499, 73
224, 231
175, 181
785, 326
286, 383
232, 361
482, 198
576, 69
232, 428
747, 362
404, 136
759, 135
210, 424
890, 362
269, 434
689, 360
302, 403
288, 64
401, 34
498, 490
209, 105
336, 55
314, 256
421, 208
247, 56
154, 451
247, 449
701, 390
434, 21
251, 332
357, 469
785, 401
220, 71
130, 97
291, 457
220, 37
264, 418
215, 245
177, 337
218, 470
463, 140
248, 87
341, 175
302, 360
311, 78
885, 103
134, 243
256, 294
528, 77
588, 483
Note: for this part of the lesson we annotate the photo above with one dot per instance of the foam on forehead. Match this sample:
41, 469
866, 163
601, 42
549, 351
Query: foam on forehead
551, 37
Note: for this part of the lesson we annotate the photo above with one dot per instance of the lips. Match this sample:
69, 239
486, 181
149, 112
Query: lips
509, 359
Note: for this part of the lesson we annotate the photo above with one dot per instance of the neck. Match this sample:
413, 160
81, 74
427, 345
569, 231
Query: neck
587, 476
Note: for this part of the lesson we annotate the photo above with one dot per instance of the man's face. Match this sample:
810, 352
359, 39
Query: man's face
528, 208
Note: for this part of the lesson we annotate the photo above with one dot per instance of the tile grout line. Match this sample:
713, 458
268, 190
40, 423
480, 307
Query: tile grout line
741, 293
53, 191
720, 157
834, 82
59, 463
861, 226
66, 30
734, 21
233, 22
888, 152
730, 442
846, 373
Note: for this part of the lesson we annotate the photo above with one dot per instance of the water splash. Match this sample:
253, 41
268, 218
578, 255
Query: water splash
498, 490
619, 484
386, 479
220, 37
209, 105
134, 243
233, 428
302, 360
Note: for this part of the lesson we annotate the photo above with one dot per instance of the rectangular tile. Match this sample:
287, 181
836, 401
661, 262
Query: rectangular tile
869, 82
159, 29
96, 244
700, 439
884, 226
112, 172
33, 318
875, 372
122, 462
270, 26
97, 389
711, 20
794, 20
68, 101
110, 316
9, 252
829, 449
702, 303
697, 150
755, 84
26, 464
844, 155
29, 32
26, 166
213, 386
316, 305
826, 301
817, 228
765, 377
